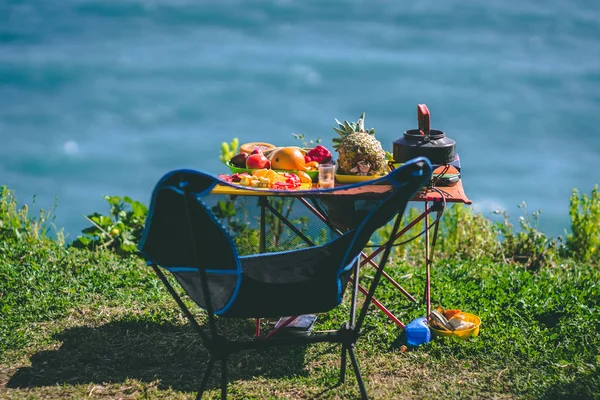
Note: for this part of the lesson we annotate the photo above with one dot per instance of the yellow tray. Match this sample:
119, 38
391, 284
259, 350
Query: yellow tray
245, 190
314, 175
355, 178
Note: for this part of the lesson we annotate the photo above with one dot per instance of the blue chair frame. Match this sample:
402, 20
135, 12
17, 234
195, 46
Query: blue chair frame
183, 236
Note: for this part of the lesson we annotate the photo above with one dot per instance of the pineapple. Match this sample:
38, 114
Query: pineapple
359, 153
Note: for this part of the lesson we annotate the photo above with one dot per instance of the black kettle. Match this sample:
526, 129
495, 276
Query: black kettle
425, 142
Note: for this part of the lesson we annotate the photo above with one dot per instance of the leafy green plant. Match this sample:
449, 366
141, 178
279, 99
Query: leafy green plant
15, 221
465, 234
409, 247
528, 246
583, 243
234, 214
120, 231
306, 144
229, 150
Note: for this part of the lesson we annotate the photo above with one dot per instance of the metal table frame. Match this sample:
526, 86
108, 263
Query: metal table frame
434, 199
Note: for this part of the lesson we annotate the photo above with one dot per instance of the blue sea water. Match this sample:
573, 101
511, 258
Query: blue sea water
103, 97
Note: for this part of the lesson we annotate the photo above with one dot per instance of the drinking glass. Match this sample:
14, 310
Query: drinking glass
326, 176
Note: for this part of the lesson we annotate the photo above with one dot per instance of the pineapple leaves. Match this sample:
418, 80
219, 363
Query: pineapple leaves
348, 128
340, 132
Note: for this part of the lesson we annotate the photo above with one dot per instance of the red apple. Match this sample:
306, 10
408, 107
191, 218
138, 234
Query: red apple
257, 150
257, 161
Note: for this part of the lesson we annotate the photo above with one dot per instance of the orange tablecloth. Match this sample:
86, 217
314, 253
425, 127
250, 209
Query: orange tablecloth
452, 194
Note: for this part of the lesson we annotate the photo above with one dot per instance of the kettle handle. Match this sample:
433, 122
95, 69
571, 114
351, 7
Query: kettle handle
424, 119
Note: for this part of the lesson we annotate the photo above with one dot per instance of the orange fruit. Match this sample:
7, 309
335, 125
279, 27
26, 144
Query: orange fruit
269, 174
260, 173
304, 177
288, 159
313, 165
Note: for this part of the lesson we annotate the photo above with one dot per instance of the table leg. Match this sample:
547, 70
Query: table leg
262, 246
437, 206
355, 286
427, 264
263, 225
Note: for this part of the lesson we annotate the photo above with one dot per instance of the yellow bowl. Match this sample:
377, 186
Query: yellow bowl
464, 333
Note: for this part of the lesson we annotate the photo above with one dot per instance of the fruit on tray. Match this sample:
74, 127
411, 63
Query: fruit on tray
312, 166
278, 180
239, 160
257, 161
249, 147
288, 159
271, 175
320, 154
265, 178
359, 152
304, 177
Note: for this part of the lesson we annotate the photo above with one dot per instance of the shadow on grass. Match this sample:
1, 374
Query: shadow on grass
584, 386
146, 351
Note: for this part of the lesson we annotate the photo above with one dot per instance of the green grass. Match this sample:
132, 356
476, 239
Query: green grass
75, 322
79, 323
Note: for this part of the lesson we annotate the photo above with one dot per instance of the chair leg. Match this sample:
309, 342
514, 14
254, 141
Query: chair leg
361, 383
205, 377
343, 364
224, 378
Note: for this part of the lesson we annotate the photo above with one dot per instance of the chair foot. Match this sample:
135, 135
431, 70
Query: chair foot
205, 377
361, 383
343, 364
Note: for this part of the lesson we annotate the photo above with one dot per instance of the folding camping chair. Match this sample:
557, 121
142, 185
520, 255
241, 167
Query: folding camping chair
193, 236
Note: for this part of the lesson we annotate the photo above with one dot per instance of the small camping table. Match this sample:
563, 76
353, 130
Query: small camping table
434, 199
